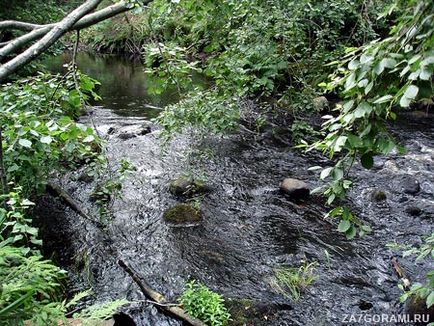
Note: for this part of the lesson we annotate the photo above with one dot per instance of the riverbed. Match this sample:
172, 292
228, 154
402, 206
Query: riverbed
249, 228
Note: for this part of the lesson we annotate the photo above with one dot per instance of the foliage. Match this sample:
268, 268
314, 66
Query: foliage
204, 110
294, 279
247, 47
39, 131
424, 251
111, 184
253, 45
168, 62
95, 314
204, 304
40, 136
376, 81
29, 284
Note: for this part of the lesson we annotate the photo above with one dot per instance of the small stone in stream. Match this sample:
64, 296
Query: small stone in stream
126, 135
146, 129
410, 185
186, 186
122, 319
365, 305
413, 210
182, 213
111, 130
379, 195
295, 188
84, 177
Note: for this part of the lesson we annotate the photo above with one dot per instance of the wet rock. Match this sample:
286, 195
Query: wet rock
246, 312
379, 195
415, 306
294, 188
122, 319
131, 131
413, 210
410, 185
320, 103
185, 186
86, 178
365, 305
146, 129
126, 135
111, 131
182, 214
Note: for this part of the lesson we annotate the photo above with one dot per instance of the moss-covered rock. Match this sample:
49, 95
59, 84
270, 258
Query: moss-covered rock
379, 195
182, 214
247, 312
185, 186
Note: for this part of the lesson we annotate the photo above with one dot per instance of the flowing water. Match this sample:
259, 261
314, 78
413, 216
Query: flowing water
248, 227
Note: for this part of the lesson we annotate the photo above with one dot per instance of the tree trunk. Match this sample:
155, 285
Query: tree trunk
51, 37
88, 20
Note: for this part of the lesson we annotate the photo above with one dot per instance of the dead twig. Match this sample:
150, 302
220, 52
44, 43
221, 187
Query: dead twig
158, 298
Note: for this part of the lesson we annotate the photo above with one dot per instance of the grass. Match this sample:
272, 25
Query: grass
292, 280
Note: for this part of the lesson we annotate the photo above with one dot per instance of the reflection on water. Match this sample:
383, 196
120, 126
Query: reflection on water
124, 84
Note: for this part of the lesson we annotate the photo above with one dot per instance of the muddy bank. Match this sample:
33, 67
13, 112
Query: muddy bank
248, 226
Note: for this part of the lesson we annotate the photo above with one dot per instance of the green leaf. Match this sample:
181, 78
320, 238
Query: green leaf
367, 160
351, 232
430, 300
404, 102
411, 91
344, 226
383, 99
325, 173
339, 143
25, 143
362, 109
46, 140
89, 139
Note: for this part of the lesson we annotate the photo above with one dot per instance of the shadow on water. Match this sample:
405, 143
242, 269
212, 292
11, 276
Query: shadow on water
125, 87
248, 227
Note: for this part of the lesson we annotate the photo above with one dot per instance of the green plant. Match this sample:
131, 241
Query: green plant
110, 184
29, 284
204, 110
376, 81
204, 304
38, 128
292, 280
424, 291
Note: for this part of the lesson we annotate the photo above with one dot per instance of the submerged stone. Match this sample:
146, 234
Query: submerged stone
379, 195
410, 185
294, 188
413, 210
187, 187
182, 214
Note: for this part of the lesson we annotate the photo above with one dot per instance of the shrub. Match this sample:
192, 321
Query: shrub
204, 304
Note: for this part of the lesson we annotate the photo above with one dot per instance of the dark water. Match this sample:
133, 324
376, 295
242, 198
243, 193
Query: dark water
124, 84
249, 228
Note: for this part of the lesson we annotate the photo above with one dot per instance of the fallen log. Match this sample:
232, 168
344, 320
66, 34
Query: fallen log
160, 300
71, 202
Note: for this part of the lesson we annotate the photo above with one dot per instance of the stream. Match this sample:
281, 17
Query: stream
249, 228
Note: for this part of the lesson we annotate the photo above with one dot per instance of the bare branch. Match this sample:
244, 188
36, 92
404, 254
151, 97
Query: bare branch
18, 25
88, 20
51, 37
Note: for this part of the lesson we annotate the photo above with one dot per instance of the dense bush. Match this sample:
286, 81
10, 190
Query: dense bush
204, 304
38, 127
